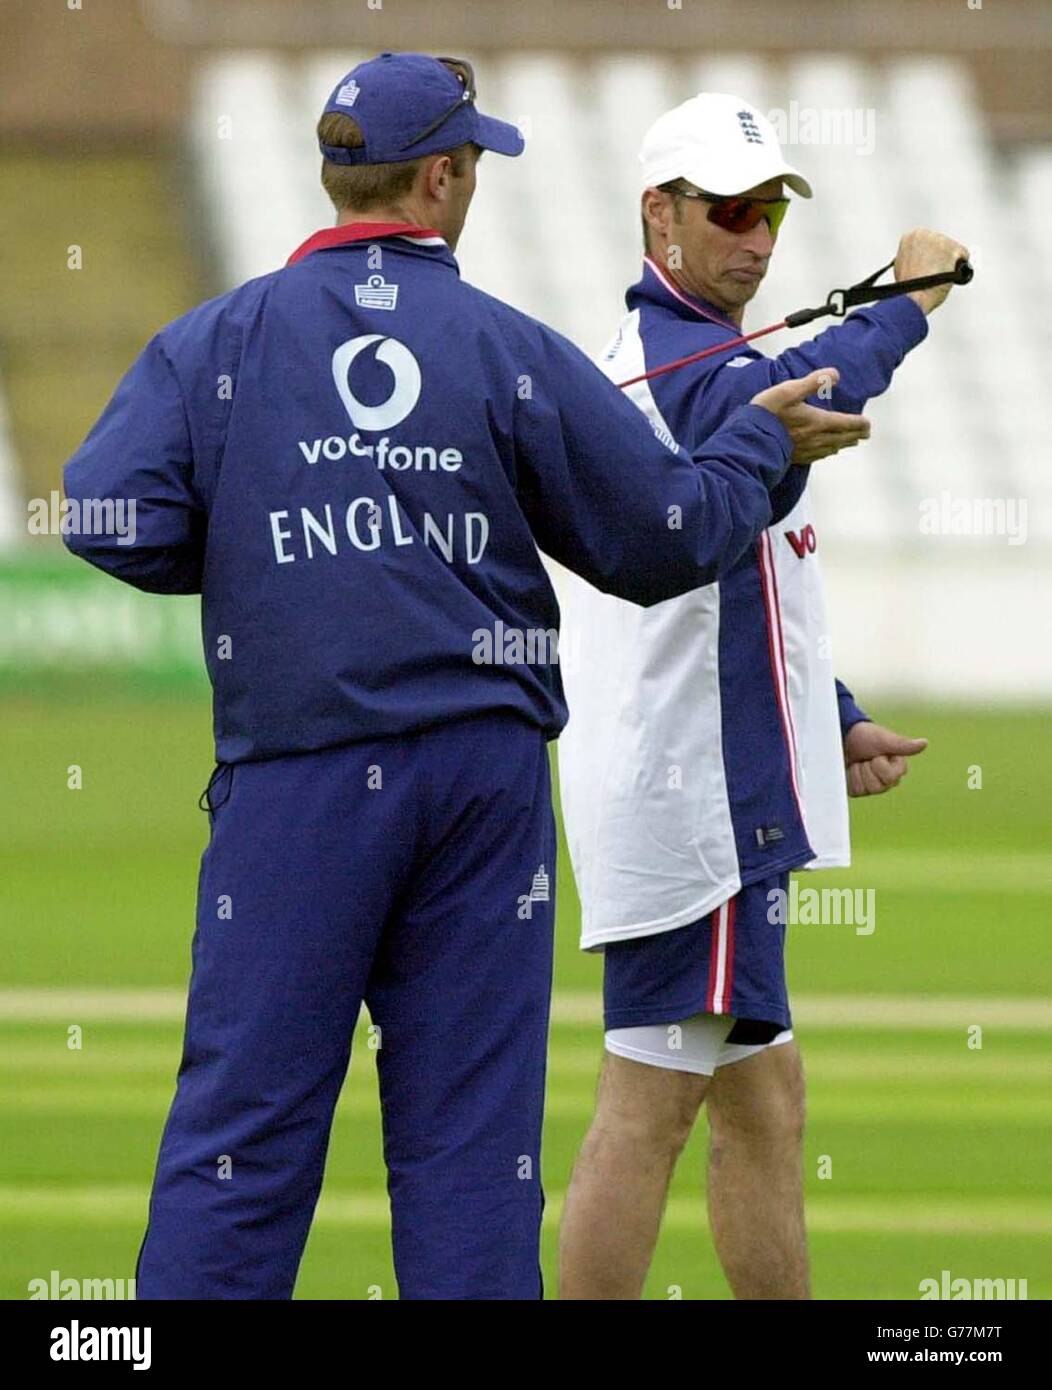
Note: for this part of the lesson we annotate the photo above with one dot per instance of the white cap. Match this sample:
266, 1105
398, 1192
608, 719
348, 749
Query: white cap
720, 143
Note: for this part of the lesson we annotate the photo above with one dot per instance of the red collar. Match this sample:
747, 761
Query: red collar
359, 231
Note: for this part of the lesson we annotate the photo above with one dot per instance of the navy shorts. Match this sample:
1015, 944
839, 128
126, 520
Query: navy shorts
732, 961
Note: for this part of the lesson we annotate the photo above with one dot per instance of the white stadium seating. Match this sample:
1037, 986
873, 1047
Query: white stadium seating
557, 234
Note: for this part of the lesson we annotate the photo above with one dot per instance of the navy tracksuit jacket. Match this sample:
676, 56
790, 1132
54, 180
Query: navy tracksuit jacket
353, 460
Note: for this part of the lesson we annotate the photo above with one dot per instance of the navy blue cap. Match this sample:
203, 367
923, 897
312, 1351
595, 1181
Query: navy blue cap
408, 105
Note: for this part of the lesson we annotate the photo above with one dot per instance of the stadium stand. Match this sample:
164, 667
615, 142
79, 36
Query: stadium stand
69, 334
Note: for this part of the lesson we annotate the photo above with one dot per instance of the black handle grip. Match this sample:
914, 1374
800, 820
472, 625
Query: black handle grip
962, 272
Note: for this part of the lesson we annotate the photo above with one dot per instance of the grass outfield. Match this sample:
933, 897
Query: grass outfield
940, 1153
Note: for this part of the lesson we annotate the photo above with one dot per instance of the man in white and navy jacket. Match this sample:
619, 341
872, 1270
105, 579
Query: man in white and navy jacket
705, 755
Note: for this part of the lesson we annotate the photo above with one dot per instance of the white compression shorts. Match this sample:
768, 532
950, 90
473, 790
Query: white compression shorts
697, 1044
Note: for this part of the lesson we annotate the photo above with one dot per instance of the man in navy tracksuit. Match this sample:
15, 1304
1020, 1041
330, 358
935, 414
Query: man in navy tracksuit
353, 460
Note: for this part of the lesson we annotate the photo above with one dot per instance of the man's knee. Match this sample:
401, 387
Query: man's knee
760, 1101
651, 1107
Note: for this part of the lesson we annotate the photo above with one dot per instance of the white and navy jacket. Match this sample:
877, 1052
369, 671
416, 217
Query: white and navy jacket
704, 749
353, 461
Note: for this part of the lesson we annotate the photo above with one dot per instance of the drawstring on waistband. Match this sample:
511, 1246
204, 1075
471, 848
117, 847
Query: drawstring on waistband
205, 801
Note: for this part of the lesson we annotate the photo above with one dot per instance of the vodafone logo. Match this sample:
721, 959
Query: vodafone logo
404, 369
804, 542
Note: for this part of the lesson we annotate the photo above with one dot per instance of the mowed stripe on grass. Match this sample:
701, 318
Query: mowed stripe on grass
891, 1106
911, 1215
576, 1055
913, 1011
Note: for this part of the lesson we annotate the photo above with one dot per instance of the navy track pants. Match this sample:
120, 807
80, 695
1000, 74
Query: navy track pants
416, 874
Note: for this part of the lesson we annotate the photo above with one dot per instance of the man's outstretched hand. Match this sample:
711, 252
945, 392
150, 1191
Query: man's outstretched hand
876, 758
815, 433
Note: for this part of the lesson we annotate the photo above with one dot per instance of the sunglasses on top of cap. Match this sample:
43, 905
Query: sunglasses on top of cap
737, 213
467, 97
